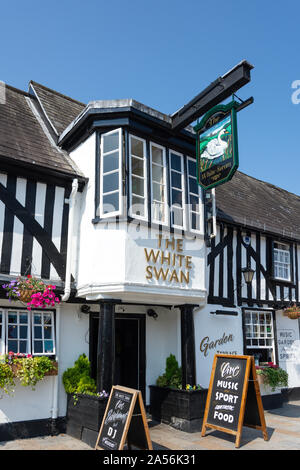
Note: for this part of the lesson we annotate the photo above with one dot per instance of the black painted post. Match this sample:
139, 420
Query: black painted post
106, 347
188, 360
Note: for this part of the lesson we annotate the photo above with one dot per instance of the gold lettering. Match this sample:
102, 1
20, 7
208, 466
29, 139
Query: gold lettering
149, 272
170, 242
151, 255
174, 276
161, 273
179, 244
164, 258
188, 262
185, 277
159, 240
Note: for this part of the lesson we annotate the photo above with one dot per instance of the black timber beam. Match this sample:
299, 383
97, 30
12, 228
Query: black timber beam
214, 94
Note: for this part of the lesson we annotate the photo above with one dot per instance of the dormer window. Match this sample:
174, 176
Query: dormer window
111, 174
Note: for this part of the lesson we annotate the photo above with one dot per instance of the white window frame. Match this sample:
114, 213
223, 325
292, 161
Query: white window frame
130, 212
2, 336
17, 312
277, 263
260, 337
30, 331
165, 183
42, 325
200, 213
120, 170
184, 224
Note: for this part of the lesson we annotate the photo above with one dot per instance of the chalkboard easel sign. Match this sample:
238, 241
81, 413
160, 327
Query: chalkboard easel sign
124, 421
233, 398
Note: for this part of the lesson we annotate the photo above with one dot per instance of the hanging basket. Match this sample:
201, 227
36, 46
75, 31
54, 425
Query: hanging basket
292, 312
25, 295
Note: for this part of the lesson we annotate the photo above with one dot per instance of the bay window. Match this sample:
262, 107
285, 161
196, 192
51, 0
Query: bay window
27, 332
111, 174
138, 178
177, 190
194, 197
158, 184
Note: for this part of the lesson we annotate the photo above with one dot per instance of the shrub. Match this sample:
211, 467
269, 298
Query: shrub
172, 376
78, 379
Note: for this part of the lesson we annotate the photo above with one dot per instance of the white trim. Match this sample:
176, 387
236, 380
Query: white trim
135, 216
183, 190
42, 325
43, 109
165, 183
143, 293
283, 264
200, 213
12, 311
3, 328
120, 170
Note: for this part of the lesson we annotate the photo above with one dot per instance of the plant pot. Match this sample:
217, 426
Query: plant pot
292, 312
25, 295
16, 367
84, 417
181, 409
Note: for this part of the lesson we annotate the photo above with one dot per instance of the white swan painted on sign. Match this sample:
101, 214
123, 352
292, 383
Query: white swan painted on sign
216, 147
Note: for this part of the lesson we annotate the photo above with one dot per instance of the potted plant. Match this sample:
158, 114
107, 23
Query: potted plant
272, 376
292, 312
169, 403
85, 407
32, 291
28, 369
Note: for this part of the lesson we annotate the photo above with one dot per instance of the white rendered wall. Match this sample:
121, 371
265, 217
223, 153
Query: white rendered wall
28, 404
288, 343
213, 330
109, 260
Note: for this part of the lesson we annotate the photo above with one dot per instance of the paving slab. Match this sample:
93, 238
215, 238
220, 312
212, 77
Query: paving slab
283, 427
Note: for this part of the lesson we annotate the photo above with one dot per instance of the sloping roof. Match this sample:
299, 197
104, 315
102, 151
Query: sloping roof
24, 138
256, 204
60, 109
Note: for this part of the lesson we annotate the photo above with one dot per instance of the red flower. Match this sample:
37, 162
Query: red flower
29, 276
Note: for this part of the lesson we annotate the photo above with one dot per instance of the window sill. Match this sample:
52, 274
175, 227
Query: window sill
283, 282
54, 372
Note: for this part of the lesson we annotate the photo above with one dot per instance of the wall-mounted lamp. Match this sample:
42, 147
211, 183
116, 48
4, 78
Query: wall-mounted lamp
248, 274
152, 313
85, 308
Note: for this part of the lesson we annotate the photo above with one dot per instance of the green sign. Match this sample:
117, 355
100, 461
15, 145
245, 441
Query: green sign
217, 149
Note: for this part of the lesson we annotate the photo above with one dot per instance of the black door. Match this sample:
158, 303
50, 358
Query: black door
130, 360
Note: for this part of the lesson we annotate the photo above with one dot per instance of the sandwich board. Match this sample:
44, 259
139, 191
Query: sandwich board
233, 398
124, 421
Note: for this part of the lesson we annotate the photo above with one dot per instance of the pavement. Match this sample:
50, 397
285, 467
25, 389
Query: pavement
283, 427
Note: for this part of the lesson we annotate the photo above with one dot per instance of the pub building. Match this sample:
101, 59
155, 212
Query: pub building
102, 201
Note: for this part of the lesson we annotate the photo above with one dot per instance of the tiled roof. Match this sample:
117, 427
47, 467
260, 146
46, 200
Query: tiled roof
60, 109
24, 137
256, 204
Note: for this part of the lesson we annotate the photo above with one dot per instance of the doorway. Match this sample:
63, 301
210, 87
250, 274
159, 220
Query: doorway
130, 350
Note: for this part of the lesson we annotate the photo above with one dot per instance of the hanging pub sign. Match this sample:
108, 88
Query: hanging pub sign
233, 398
217, 148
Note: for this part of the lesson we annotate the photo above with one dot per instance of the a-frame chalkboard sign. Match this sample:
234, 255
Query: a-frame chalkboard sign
233, 398
124, 421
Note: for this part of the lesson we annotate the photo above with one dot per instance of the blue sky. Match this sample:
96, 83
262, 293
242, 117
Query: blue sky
163, 53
